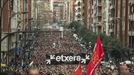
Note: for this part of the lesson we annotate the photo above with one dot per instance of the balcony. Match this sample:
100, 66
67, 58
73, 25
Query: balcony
78, 2
78, 8
78, 18
99, 14
99, 24
112, 7
77, 13
131, 33
92, 7
131, 1
99, 3
111, 18
111, 30
131, 17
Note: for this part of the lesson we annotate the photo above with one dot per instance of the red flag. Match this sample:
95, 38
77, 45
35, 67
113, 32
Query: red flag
96, 57
78, 70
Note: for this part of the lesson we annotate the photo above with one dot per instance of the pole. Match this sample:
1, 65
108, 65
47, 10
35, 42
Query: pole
126, 24
9, 30
0, 24
120, 25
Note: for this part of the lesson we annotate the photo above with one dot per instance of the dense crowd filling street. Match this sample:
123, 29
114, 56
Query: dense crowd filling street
51, 43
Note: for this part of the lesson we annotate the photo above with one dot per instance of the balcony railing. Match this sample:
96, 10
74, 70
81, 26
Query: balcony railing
131, 17
99, 24
99, 3
131, 33
131, 1
99, 13
112, 7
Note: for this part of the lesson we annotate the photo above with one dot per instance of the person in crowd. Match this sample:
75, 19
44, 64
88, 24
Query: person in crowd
123, 70
33, 71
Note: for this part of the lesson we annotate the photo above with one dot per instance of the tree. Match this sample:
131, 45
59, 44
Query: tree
112, 46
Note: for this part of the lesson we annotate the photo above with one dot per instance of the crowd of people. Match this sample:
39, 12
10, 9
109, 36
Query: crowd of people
52, 42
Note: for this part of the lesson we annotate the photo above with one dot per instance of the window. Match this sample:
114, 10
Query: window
79, 3
99, 9
99, 28
11, 4
83, 14
83, 1
113, 2
78, 9
99, 18
99, 1
78, 15
131, 7
131, 25
131, 41
112, 13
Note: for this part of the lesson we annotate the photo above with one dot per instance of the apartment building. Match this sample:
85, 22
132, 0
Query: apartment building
108, 18
78, 10
81, 11
114, 18
16, 16
96, 14
131, 24
59, 11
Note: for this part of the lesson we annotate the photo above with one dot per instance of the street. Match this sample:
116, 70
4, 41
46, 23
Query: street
67, 37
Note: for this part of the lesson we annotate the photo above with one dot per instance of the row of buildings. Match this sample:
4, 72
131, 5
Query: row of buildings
19, 20
115, 18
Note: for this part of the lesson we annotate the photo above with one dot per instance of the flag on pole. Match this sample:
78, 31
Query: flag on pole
78, 70
96, 57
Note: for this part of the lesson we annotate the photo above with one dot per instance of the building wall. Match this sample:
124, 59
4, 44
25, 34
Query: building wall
59, 11
85, 8
29, 12
5, 16
112, 18
13, 19
131, 24
79, 11
71, 10
97, 24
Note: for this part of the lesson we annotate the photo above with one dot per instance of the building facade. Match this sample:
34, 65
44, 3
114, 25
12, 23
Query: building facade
59, 11
111, 17
81, 11
15, 17
131, 24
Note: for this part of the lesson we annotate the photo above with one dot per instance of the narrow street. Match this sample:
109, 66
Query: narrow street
50, 42
67, 37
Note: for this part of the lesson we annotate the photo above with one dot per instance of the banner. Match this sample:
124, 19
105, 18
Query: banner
70, 58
